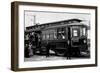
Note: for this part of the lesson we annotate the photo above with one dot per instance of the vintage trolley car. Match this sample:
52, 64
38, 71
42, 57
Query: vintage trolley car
59, 36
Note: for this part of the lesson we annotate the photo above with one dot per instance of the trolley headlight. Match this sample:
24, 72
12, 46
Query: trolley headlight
84, 41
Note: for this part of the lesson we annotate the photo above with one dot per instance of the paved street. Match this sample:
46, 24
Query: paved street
52, 57
42, 58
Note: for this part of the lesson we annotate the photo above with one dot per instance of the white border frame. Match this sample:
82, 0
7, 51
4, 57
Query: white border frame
34, 64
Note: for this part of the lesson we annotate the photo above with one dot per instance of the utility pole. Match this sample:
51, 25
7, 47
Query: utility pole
34, 19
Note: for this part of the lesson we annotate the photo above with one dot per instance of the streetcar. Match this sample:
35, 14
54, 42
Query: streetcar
59, 35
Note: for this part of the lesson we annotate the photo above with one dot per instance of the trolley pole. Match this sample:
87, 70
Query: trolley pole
34, 19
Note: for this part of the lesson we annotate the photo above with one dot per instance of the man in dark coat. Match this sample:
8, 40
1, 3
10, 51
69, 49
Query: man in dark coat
47, 49
68, 52
26, 51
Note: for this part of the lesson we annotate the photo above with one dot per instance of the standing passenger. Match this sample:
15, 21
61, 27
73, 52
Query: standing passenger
30, 50
69, 48
68, 52
36, 40
47, 49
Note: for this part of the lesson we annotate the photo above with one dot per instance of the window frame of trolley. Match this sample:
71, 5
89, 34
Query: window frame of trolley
15, 39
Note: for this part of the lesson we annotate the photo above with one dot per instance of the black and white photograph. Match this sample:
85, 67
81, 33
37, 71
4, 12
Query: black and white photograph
53, 36
56, 35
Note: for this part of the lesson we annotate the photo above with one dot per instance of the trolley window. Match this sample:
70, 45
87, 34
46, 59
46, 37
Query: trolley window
84, 31
47, 36
55, 34
43, 36
75, 32
61, 33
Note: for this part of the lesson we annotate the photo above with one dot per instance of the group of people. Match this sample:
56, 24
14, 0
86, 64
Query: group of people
32, 41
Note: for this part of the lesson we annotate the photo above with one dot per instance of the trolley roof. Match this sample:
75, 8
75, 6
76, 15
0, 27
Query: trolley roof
67, 25
63, 23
